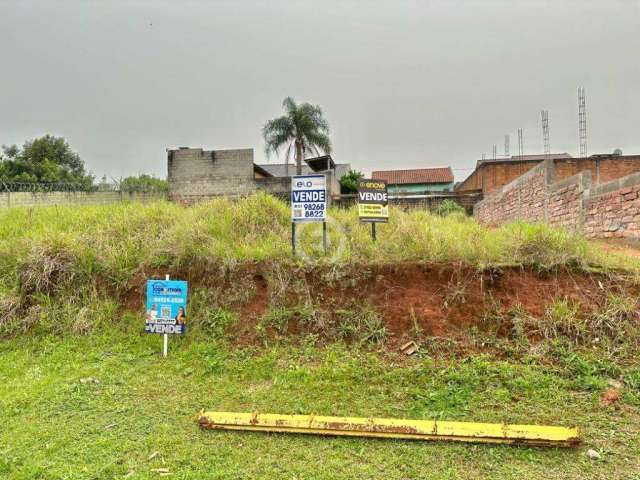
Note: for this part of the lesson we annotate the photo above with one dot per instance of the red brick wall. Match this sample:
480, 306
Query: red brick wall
492, 176
524, 198
565, 201
611, 209
614, 213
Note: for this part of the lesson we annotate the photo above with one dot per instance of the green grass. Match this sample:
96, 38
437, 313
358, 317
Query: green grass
55, 427
120, 240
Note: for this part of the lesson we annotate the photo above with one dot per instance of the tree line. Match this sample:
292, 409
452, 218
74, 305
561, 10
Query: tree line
50, 161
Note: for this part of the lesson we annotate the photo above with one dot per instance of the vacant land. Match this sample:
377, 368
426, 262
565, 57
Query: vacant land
521, 324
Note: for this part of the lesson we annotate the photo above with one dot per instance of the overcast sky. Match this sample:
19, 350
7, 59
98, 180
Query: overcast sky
403, 84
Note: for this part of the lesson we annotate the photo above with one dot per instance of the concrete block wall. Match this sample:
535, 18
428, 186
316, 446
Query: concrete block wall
277, 186
610, 209
197, 174
34, 199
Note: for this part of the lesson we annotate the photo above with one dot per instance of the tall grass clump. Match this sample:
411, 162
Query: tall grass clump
541, 245
119, 240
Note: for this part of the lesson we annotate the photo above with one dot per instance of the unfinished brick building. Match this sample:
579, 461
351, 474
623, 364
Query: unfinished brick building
491, 175
598, 196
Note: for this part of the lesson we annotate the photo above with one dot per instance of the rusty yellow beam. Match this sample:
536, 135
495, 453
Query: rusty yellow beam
392, 428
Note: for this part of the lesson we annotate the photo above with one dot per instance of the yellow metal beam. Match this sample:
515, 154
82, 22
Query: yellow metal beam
392, 428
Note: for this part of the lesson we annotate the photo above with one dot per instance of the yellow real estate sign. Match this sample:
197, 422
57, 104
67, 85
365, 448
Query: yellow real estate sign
373, 201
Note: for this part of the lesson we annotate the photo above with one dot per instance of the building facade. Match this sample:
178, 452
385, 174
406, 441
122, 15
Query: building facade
416, 181
196, 174
492, 175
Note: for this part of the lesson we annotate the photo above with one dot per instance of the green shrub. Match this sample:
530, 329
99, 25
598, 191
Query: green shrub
275, 318
216, 321
449, 207
360, 323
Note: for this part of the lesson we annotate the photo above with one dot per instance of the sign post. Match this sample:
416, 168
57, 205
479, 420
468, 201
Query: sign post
166, 309
165, 336
308, 204
324, 237
373, 203
293, 238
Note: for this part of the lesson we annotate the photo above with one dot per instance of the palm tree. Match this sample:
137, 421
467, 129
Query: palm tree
302, 129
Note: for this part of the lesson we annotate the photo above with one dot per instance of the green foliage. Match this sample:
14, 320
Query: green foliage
143, 183
562, 318
613, 326
449, 207
218, 320
349, 182
354, 323
302, 130
360, 323
117, 241
72, 314
46, 159
277, 318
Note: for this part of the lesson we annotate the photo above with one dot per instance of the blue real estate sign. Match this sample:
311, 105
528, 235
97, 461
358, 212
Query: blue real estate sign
166, 306
308, 198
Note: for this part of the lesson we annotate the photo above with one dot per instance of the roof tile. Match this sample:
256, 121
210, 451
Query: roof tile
420, 175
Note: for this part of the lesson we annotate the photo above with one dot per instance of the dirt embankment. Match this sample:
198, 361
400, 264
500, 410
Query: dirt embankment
436, 300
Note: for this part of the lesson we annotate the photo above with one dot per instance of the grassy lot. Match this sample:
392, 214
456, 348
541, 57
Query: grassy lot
54, 426
118, 240
70, 282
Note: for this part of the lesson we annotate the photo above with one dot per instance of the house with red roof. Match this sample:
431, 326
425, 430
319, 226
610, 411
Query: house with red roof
420, 180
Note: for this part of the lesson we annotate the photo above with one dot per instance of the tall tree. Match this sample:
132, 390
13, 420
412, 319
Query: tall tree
302, 129
349, 181
46, 159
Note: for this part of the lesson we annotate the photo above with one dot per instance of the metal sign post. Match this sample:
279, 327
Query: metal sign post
165, 340
373, 231
324, 237
293, 238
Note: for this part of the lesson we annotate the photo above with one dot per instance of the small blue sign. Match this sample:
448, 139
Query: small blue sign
166, 307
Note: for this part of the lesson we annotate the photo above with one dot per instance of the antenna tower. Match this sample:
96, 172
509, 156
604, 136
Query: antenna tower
545, 132
582, 121
495, 151
520, 144
506, 145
